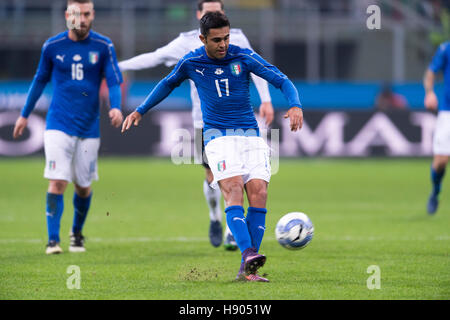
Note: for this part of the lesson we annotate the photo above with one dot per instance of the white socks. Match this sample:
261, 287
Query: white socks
213, 197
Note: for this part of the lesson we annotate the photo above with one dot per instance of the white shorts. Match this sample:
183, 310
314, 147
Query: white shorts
246, 156
441, 138
70, 158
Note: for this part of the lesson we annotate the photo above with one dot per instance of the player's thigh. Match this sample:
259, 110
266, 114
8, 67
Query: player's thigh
85, 164
225, 158
59, 150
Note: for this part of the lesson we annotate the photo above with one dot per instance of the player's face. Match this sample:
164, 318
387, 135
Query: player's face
216, 42
79, 18
209, 7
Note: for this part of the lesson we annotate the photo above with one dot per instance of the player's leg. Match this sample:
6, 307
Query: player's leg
233, 192
58, 148
256, 183
441, 151
256, 190
54, 211
212, 196
84, 172
227, 164
81, 203
437, 174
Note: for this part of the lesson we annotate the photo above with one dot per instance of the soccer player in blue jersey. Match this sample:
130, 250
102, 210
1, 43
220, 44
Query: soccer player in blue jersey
237, 155
441, 138
75, 61
170, 54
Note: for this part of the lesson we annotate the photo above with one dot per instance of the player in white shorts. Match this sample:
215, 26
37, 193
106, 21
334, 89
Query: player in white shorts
170, 55
70, 158
441, 139
251, 162
75, 61
236, 153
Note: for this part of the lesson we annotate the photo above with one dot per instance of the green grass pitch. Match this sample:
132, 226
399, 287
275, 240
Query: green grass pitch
147, 234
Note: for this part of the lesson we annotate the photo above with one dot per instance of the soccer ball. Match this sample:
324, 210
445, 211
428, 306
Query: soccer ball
294, 230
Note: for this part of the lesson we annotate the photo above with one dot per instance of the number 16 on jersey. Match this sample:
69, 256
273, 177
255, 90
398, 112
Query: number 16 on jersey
77, 71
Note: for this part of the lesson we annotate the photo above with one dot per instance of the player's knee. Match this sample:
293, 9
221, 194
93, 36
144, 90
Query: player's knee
258, 198
439, 163
83, 192
234, 192
57, 186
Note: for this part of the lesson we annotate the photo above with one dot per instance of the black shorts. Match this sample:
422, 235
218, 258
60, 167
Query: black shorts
200, 148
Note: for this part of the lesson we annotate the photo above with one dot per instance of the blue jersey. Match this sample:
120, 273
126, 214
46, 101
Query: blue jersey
441, 62
76, 69
223, 86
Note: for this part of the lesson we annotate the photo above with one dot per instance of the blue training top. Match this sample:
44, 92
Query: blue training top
441, 62
76, 69
223, 87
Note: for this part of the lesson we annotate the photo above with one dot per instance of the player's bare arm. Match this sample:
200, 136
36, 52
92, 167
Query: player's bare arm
295, 114
431, 101
19, 127
133, 118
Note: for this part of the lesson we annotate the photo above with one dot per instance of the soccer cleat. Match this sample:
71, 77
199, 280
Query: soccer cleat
76, 243
250, 278
252, 260
53, 247
241, 276
432, 205
215, 233
229, 243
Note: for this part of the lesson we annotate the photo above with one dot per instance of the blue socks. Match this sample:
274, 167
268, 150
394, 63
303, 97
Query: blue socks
238, 226
436, 179
256, 224
247, 231
81, 208
55, 208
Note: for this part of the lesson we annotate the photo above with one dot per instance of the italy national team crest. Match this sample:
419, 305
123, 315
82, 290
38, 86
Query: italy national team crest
93, 57
52, 165
221, 166
236, 68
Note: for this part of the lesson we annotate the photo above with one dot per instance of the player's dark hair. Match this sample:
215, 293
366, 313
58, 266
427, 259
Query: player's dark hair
79, 1
201, 2
213, 20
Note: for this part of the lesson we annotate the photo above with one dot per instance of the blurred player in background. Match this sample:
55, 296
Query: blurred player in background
238, 156
441, 139
170, 55
76, 61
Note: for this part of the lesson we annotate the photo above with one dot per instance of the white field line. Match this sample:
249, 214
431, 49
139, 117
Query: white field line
205, 239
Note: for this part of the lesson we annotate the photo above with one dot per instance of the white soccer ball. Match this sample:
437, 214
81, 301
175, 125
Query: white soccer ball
294, 230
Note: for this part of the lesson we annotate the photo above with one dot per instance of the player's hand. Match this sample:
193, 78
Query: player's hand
133, 118
21, 124
116, 117
295, 114
431, 101
266, 111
